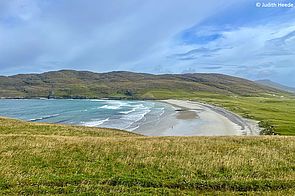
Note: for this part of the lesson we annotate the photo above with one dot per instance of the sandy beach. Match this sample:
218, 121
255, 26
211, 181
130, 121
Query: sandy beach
198, 119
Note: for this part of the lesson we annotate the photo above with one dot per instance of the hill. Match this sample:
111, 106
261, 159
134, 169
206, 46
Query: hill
39, 159
84, 84
278, 86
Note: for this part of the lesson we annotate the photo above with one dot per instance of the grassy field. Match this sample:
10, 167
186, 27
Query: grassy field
57, 159
276, 113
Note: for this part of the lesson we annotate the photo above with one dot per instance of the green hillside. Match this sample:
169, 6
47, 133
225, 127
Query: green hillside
83, 84
276, 85
40, 159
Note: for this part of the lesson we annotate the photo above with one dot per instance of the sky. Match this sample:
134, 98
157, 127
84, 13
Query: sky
236, 37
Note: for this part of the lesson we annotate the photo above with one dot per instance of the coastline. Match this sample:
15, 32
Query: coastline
179, 118
191, 118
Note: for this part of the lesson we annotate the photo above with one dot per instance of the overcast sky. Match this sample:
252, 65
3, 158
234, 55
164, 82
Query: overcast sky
236, 37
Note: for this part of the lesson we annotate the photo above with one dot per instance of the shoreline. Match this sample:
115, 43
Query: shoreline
191, 118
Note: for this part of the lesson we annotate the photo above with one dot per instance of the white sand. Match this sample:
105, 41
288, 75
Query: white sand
209, 121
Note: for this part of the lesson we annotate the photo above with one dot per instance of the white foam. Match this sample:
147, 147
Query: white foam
135, 108
44, 117
135, 117
110, 107
129, 111
132, 129
113, 105
95, 123
97, 100
162, 111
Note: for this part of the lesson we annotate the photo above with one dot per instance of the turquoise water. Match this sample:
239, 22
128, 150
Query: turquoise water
127, 115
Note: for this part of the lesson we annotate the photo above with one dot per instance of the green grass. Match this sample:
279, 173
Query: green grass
12, 127
56, 159
277, 112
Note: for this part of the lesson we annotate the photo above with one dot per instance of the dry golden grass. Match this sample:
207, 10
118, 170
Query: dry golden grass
11, 126
103, 161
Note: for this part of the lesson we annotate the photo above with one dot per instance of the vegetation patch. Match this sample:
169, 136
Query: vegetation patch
75, 160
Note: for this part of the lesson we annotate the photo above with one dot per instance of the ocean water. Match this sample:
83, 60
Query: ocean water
121, 114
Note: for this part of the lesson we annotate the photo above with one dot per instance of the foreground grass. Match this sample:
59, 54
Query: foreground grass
276, 112
17, 127
74, 160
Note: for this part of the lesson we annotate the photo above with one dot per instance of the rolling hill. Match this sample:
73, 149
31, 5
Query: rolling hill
123, 85
278, 86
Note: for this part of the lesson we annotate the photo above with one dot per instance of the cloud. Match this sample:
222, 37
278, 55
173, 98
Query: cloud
256, 49
147, 36
96, 35
195, 53
189, 70
280, 46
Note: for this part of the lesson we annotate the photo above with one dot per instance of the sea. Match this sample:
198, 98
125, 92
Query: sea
119, 114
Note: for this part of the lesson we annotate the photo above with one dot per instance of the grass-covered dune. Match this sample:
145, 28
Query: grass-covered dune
58, 159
